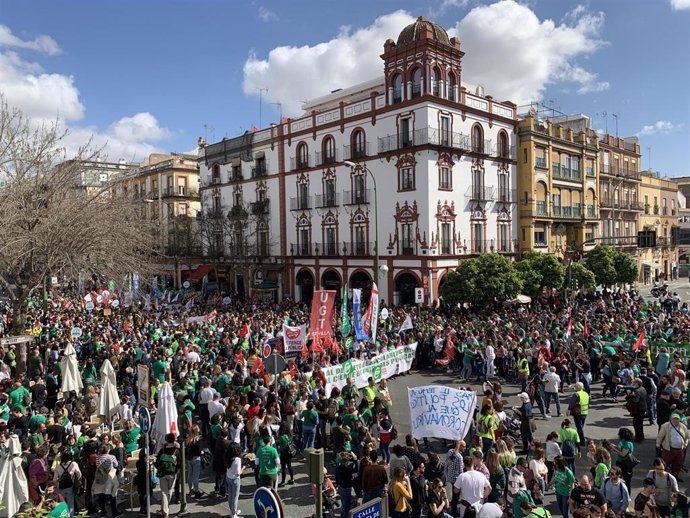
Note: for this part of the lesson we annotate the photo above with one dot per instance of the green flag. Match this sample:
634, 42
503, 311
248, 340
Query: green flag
345, 326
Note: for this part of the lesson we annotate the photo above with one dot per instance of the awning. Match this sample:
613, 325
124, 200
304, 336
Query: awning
201, 272
260, 154
267, 284
236, 161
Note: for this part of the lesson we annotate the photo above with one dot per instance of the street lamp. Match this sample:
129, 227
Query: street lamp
352, 165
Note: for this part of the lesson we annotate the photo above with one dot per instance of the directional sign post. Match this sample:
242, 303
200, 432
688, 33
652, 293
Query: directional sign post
145, 425
266, 504
275, 364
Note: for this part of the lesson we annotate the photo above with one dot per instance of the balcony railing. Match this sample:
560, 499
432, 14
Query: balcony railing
493, 246
327, 249
483, 147
301, 249
656, 210
590, 171
424, 137
506, 195
262, 207
479, 193
357, 151
180, 192
561, 172
327, 200
620, 172
353, 248
327, 158
259, 170
297, 163
663, 242
542, 208
301, 203
356, 197
507, 152
573, 212
359, 248
540, 161
591, 211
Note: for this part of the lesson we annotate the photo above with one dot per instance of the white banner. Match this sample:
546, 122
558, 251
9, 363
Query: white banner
374, 313
441, 412
379, 367
293, 338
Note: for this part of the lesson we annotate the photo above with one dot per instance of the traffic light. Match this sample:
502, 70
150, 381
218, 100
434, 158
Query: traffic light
314, 464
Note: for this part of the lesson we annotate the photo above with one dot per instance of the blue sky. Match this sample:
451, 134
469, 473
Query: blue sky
154, 75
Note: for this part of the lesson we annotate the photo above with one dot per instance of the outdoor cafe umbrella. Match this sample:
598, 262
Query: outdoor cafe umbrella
109, 400
166, 415
14, 488
71, 378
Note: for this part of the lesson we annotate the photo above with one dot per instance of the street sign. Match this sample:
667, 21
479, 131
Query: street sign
384, 314
267, 350
115, 303
418, 295
186, 285
144, 420
89, 306
275, 364
143, 385
76, 332
371, 509
266, 504
99, 299
227, 300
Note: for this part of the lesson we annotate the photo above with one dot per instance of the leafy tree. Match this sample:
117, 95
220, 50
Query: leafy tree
581, 278
482, 281
626, 267
600, 263
540, 271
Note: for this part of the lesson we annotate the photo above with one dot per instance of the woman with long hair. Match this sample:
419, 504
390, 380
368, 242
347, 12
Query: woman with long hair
602, 467
497, 476
624, 449
539, 468
401, 492
285, 451
233, 476
563, 480
569, 441
192, 446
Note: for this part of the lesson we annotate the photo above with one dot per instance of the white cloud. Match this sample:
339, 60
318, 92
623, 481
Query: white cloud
444, 5
661, 126
46, 97
680, 5
515, 55
41, 43
509, 50
294, 74
265, 15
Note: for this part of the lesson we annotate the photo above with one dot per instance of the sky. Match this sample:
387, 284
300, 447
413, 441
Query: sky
154, 75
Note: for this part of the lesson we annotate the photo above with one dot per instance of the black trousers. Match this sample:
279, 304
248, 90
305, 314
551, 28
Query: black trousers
638, 426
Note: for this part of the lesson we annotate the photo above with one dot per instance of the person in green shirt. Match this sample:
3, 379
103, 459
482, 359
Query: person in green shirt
58, 509
4, 408
563, 480
520, 497
569, 440
19, 397
88, 373
159, 368
603, 466
130, 437
35, 421
624, 448
269, 461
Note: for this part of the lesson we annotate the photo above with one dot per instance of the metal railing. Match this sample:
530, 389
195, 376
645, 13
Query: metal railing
591, 211
301, 249
181, 192
329, 248
327, 200
259, 170
483, 147
573, 212
260, 207
541, 161
360, 197
423, 137
566, 173
542, 208
297, 162
327, 158
506, 195
493, 246
301, 203
507, 152
479, 193
359, 248
357, 151
620, 172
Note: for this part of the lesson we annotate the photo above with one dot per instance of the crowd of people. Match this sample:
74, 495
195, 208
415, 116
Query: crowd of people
249, 427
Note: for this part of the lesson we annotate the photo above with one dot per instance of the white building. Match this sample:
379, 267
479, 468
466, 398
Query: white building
442, 157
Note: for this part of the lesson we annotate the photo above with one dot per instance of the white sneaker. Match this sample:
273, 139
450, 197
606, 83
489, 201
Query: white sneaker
239, 512
547, 416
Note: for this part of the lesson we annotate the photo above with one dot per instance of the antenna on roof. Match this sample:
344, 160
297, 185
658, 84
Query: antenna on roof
615, 116
649, 157
605, 115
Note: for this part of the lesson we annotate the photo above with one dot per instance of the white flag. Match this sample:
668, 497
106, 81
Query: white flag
407, 324
190, 303
374, 302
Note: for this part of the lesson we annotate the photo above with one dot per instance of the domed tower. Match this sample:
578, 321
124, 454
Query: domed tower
424, 61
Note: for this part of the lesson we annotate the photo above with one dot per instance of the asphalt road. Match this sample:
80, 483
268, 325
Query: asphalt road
603, 422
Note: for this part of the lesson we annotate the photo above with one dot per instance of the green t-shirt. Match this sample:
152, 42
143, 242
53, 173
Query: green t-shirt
59, 511
625, 445
520, 496
159, 367
268, 460
569, 434
563, 481
35, 421
600, 473
5, 412
222, 382
215, 430
17, 397
130, 440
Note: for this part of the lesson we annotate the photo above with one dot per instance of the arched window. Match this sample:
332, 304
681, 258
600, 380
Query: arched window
328, 150
452, 87
436, 82
477, 139
397, 88
215, 172
503, 150
302, 156
416, 83
359, 147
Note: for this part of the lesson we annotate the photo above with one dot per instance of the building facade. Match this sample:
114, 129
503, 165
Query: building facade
660, 215
412, 171
558, 189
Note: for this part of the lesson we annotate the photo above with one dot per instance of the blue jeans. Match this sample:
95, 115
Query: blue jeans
562, 501
68, 495
580, 425
549, 396
308, 436
487, 444
194, 472
386, 452
345, 501
233, 494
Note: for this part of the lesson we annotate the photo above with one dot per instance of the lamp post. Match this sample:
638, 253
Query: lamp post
352, 165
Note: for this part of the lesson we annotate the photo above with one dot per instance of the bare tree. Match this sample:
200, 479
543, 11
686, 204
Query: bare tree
51, 225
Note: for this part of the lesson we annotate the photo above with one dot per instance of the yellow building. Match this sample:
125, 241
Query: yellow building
660, 214
557, 184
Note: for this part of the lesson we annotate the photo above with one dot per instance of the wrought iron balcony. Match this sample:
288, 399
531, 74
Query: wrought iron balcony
480, 193
261, 207
327, 158
574, 212
301, 203
424, 137
180, 192
357, 151
506, 195
542, 208
541, 161
327, 200
259, 170
361, 197
297, 163
561, 172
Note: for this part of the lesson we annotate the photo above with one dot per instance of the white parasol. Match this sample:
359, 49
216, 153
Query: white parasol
109, 400
71, 378
166, 415
14, 488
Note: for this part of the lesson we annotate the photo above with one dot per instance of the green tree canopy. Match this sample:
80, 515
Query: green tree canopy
482, 281
581, 277
540, 271
626, 267
600, 263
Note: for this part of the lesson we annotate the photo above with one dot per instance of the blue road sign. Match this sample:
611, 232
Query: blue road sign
144, 420
266, 504
371, 509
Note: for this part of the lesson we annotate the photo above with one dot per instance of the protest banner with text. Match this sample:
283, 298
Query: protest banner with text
293, 338
441, 412
320, 323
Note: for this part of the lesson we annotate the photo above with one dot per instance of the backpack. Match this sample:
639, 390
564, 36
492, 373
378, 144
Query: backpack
568, 450
166, 464
333, 408
608, 479
66, 481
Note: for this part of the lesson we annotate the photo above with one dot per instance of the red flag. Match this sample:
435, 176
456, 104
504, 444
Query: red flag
126, 326
258, 365
640, 341
305, 351
335, 349
585, 331
317, 346
321, 313
244, 331
569, 327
